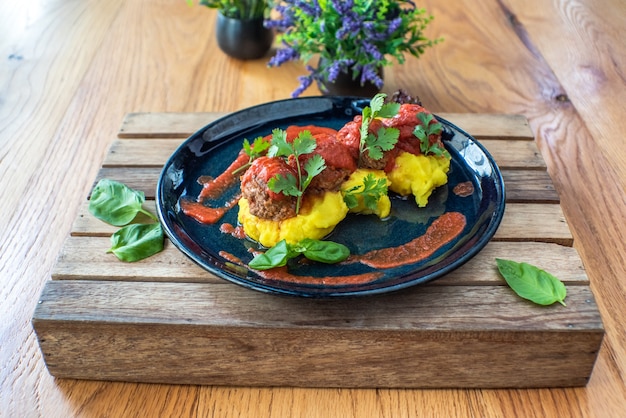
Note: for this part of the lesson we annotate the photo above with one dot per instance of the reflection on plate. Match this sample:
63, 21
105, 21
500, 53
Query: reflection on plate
209, 151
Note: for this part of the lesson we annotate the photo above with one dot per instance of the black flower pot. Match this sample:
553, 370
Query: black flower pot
345, 85
243, 39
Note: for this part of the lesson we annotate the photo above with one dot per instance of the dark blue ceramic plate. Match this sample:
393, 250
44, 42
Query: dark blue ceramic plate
209, 151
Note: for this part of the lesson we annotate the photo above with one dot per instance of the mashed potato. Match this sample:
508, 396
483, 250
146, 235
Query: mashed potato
315, 221
383, 206
418, 175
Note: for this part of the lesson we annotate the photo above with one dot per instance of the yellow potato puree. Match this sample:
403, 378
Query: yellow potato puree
314, 221
356, 180
418, 175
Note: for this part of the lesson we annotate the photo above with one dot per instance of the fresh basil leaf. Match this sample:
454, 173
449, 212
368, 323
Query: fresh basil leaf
532, 283
324, 251
115, 203
277, 256
137, 241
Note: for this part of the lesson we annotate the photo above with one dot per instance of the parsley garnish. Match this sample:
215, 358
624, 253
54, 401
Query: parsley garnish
370, 191
303, 144
385, 138
253, 150
424, 130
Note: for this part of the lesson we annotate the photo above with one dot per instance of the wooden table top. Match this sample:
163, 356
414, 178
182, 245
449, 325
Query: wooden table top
71, 71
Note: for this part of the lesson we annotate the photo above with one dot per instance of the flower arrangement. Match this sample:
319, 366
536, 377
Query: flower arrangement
236, 9
351, 36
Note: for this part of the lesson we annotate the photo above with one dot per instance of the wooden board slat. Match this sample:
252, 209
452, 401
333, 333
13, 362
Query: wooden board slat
139, 178
529, 186
534, 222
146, 152
142, 152
312, 343
215, 304
522, 186
85, 258
521, 222
165, 125
182, 125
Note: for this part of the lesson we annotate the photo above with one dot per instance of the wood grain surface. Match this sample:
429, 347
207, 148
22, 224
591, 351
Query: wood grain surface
70, 71
105, 320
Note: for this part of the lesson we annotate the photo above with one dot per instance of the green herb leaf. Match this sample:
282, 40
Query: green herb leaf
386, 138
371, 191
328, 252
116, 204
253, 150
256, 149
314, 166
389, 110
279, 146
532, 283
423, 132
286, 185
137, 241
303, 144
322, 251
377, 102
350, 199
277, 256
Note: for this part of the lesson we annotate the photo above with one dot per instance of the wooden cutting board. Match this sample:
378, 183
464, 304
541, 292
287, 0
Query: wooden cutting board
164, 319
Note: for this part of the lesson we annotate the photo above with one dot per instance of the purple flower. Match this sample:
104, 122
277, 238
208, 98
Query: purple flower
343, 7
351, 36
351, 21
394, 25
283, 55
369, 73
305, 82
312, 8
373, 51
337, 67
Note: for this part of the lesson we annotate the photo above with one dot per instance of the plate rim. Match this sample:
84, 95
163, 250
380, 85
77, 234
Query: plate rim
211, 265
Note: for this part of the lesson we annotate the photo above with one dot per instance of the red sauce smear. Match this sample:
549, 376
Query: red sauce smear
443, 230
229, 257
463, 189
281, 274
206, 214
213, 188
236, 232
294, 130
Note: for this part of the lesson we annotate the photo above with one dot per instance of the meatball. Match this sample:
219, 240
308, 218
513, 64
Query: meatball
340, 163
350, 135
405, 121
263, 202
